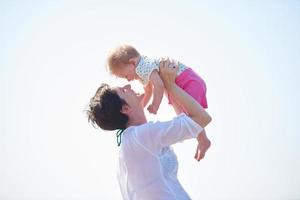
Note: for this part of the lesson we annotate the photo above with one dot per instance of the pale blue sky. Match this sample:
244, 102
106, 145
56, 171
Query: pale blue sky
52, 57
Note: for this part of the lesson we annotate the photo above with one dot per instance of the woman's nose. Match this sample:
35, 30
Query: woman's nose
128, 86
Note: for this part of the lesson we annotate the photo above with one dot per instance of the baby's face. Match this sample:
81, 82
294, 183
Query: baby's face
126, 71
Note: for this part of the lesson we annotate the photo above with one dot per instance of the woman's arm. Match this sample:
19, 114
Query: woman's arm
193, 108
158, 91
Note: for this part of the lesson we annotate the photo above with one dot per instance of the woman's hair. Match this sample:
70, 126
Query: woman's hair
121, 55
105, 109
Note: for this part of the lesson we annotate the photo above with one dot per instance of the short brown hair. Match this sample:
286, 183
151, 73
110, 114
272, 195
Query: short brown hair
121, 55
105, 109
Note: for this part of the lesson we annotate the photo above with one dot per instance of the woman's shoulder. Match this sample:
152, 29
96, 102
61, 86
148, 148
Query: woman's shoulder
139, 128
152, 127
135, 137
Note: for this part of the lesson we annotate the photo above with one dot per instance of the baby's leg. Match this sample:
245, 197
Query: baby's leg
203, 142
197, 90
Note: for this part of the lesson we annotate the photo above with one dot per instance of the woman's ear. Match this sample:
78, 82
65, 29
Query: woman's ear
126, 109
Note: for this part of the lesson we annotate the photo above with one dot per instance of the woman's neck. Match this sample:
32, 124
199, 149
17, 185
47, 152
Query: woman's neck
137, 119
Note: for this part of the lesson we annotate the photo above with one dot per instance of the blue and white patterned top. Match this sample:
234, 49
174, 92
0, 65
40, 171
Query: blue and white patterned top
146, 66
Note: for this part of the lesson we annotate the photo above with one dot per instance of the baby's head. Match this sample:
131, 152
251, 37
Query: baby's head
122, 61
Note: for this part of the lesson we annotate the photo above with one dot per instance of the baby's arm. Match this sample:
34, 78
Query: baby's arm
147, 94
158, 91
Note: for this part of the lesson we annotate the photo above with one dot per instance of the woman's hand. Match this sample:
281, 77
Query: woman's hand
168, 70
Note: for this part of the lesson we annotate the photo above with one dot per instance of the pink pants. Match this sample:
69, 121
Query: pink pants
192, 84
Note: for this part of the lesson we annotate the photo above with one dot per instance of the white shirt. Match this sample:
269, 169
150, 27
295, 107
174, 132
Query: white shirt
147, 165
146, 66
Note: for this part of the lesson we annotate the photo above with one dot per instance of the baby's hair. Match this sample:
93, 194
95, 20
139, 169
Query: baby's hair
121, 55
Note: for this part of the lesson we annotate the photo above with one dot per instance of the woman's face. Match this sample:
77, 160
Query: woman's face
132, 98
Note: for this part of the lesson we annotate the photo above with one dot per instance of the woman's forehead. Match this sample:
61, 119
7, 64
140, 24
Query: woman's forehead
118, 91
116, 88
120, 88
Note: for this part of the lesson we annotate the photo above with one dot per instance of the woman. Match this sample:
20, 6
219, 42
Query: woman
147, 163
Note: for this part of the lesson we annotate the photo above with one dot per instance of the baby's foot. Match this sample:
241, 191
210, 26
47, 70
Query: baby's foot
202, 147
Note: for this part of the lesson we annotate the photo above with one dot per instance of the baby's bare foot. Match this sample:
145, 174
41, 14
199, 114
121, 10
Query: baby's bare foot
203, 146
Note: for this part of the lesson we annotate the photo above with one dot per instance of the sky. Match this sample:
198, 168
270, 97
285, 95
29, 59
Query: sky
52, 60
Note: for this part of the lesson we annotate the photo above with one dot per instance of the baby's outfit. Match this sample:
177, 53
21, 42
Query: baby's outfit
186, 79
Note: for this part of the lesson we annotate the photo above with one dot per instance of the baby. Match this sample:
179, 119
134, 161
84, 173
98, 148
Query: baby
126, 62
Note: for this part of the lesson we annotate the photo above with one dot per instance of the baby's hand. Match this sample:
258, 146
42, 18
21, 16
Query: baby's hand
152, 108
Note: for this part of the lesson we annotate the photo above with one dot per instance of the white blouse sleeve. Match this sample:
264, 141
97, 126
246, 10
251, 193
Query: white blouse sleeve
155, 136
